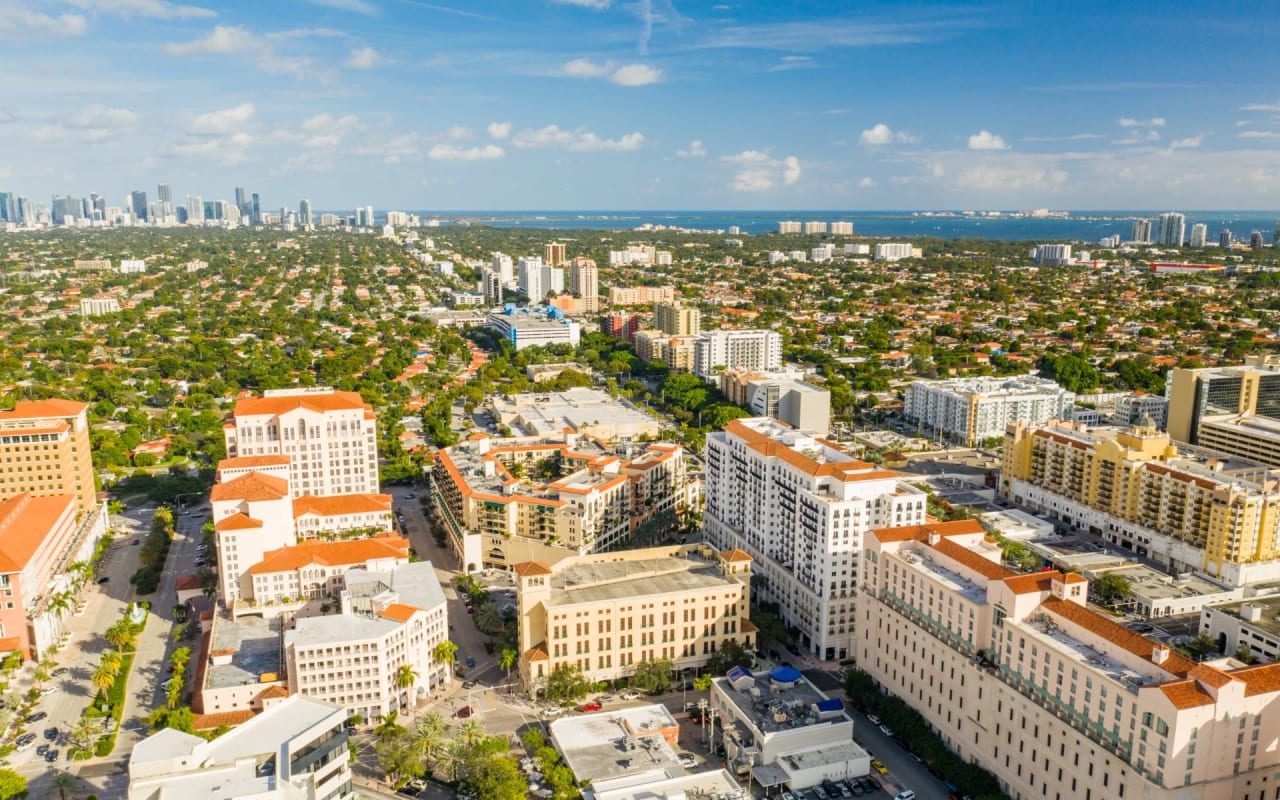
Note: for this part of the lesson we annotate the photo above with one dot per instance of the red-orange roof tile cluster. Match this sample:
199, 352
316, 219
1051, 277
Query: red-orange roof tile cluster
25, 522
252, 486
353, 551
1117, 634
341, 504
40, 409
329, 401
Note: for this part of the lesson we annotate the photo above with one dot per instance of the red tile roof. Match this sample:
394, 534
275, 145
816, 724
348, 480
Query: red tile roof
25, 522
736, 555
1117, 634
1262, 679
341, 504
1186, 694
204, 722
253, 486
352, 551
537, 653
963, 555
249, 462
329, 401
238, 522
920, 533
40, 409
399, 612
526, 568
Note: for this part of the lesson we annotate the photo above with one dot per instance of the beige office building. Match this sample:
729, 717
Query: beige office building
607, 613
329, 436
1016, 673
44, 451
641, 295
584, 281
677, 320
1246, 398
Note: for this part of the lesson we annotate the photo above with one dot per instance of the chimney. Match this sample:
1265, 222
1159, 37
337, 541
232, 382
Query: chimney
1159, 653
1058, 586
934, 538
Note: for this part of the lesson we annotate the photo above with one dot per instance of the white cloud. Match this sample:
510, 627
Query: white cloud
448, 152
398, 148
579, 140
224, 120
499, 130
1073, 137
460, 132
596, 4
1272, 107
758, 171
357, 6
320, 132
1190, 141
867, 183
790, 170
21, 24
585, 68
881, 134
1145, 137
788, 63
625, 75
100, 116
1259, 135
231, 149
986, 140
696, 150
153, 9
636, 75
329, 123
364, 58
238, 40
1130, 122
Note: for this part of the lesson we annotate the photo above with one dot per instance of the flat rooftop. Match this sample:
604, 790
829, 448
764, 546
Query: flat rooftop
775, 707
1050, 635
822, 755
594, 582
1268, 621
415, 584
541, 413
1014, 523
718, 785
254, 643
338, 629
613, 744
1157, 585
924, 559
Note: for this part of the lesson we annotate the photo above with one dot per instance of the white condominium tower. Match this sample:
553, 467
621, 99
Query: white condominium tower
722, 349
330, 438
799, 506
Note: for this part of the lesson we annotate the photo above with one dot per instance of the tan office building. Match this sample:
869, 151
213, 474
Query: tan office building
607, 613
44, 450
677, 320
1015, 673
584, 281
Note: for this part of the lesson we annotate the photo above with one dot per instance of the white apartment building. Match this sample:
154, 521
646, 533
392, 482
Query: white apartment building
1171, 229
842, 228
330, 437
894, 251
727, 349
294, 750
1052, 255
822, 253
814, 227
1016, 673
524, 328
316, 570
1130, 409
789, 226
252, 514
584, 281
390, 619
1199, 234
505, 267
132, 266
529, 277
552, 281
799, 506
970, 411
99, 305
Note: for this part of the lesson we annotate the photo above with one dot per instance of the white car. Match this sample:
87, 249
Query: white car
552, 711
630, 695
687, 761
873, 719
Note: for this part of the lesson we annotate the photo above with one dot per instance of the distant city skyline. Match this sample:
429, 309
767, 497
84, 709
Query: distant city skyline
604, 104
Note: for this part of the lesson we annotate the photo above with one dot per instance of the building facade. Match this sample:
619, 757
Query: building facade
1014, 672
799, 506
329, 436
525, 328
606, 613
677, 320
971, 411
1136, 490
44, 451
584, 281
641, 295
736, 349
508, 501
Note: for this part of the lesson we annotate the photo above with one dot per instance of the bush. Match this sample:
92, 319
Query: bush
146, 580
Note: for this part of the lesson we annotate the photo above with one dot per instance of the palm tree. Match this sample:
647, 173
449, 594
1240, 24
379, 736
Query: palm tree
118, 636
62, 781
507, 660
471, 732
406, 676
112, 660
450, 758
103, 677
445, 652
488, 618
430, 735
83, 732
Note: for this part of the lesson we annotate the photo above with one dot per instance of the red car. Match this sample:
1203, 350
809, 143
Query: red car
463, 712
592, 706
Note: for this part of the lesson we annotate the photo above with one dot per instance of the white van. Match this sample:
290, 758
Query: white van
905, 794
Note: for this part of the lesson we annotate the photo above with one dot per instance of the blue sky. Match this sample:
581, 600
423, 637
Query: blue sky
646, 104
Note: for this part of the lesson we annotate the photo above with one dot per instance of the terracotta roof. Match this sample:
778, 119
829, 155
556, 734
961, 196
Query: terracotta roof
25, 522
1262, 679
399, 612
1186, 694
249, 462
1117, 634
341, 504
748, 626
736, 555
204, 722
187, 582
537, 653
328, 401
850, 470
1031, 583
526, 568
1210, 676
907, 533
40, 409
351, 551
273, 692
253, 486
1074, 577
237, 522
963, 555
10, 644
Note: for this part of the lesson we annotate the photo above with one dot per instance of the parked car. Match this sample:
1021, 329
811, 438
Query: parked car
463, 713
58, 671
51, 756
36, 717
137, 541
42, 749
470, 684
48, 689
471, 662
51, 733
687, 761
26, 740
631, 695
103, 579
820, 793
552, 711
879, 766
886, 730
592, 706
905, 794
873, 719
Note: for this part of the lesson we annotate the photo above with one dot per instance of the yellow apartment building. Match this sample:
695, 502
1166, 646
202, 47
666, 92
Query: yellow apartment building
44, 450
